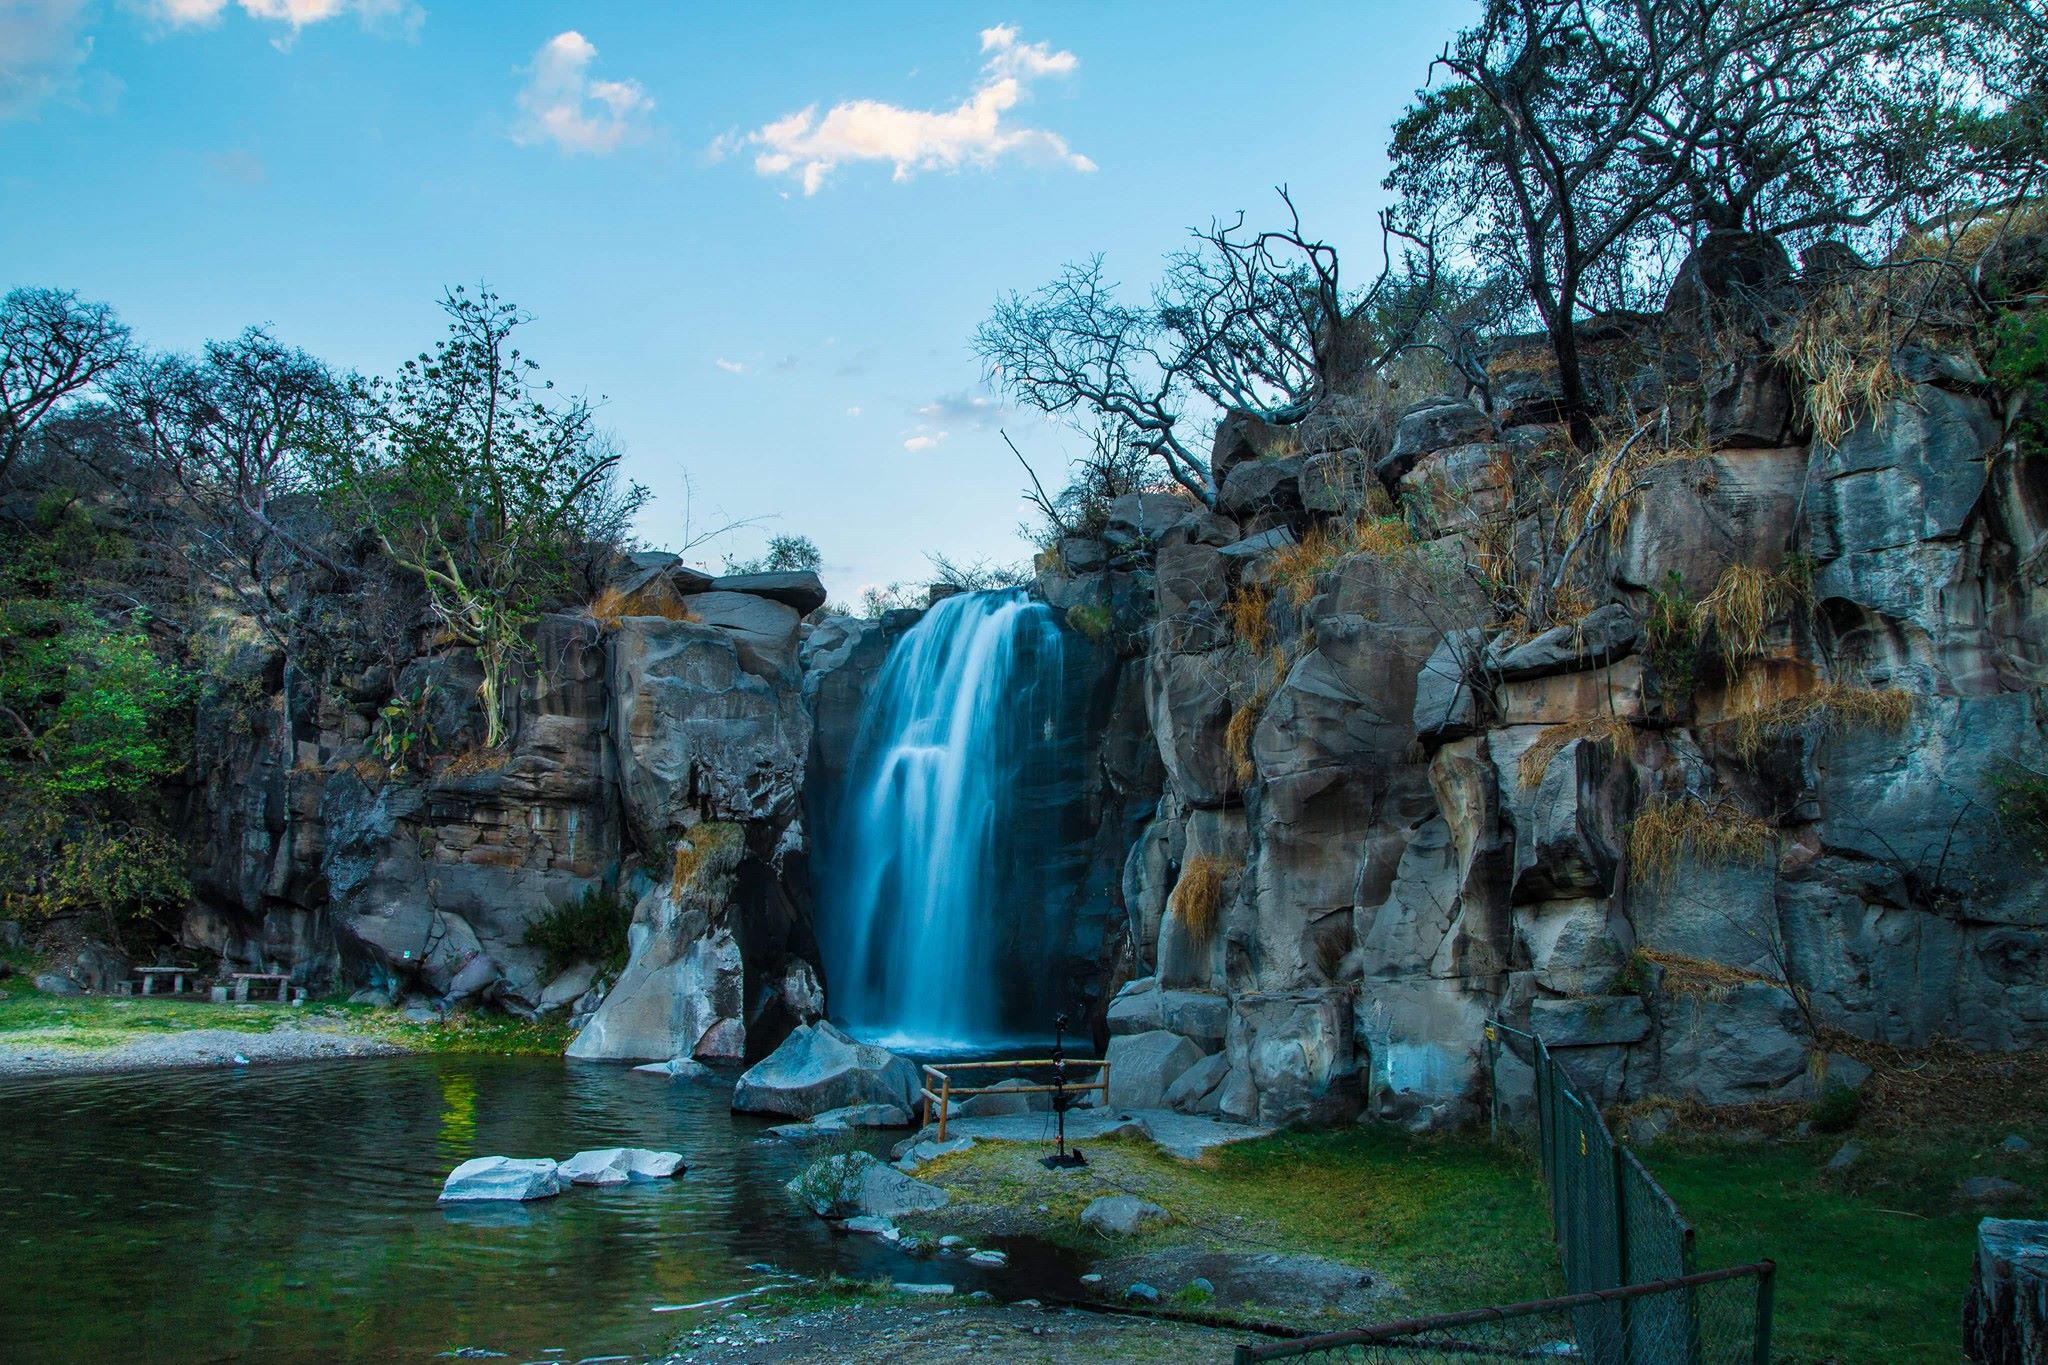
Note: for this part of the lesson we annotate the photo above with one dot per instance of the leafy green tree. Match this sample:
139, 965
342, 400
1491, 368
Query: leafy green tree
92, 723
476, 477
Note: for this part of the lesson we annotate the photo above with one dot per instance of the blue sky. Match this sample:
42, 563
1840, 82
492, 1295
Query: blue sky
776, 308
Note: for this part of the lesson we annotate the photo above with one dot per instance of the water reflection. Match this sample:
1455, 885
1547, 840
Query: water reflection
287, 1213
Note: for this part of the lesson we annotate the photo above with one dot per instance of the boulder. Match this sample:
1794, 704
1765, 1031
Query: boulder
865, 1116
819, 1068
801, 590
2005, 1317
1195, 1092
1696, 518
1135, 1008
1123, 1215
1590, 1021
1241, 437
765, 631
1446, 701
1431, 425
1600, 638
1142, 1066
54, 983
1339, 482
1297, 1049
1990, 1191
487, 1179
1138, 519
1269, 487
620, 1166
682, 992
857, 1183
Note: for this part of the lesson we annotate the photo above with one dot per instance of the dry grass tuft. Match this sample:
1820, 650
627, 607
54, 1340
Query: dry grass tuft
1744, 603
1829, 709
475, 760
611, 606
707, 854
1237, 736
1614, 733
1197, 899
1669, 833
1699, 977
1245, 613
1297, 567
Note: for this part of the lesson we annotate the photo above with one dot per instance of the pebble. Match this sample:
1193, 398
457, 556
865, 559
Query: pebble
1091, 1279
930, 1291
2017, 1145
1201, 1284
1142, 1293
951, 1240
997, 1259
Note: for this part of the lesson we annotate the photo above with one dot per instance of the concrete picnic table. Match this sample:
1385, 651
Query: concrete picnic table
242, 980
149, 977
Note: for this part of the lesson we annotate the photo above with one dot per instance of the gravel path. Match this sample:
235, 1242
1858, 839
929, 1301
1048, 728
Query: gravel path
201, 1047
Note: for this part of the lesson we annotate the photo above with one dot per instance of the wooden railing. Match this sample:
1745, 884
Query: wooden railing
939, 1088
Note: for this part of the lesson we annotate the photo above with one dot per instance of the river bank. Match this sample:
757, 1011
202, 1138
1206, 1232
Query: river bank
58, 1035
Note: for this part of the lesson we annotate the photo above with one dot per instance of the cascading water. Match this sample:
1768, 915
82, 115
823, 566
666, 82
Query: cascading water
948, 859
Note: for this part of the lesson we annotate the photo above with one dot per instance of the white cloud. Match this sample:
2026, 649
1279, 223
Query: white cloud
729, 366
853, 411
296, 14
808, 148
561, 104
917, 443
41, 49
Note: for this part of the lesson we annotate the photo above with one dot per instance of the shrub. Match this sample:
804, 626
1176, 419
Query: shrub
1837, 1109
1091, 619
2022, 796
1671, 832
1197, 899
591, 928
611, 607
2019, 364
706, 856
1671, 637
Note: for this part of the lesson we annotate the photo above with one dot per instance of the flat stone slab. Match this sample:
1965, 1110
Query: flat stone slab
1186, 1136
620, 1166
501, 1179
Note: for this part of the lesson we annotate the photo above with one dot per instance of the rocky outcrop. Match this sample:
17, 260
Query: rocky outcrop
1744, 787
2005, 1319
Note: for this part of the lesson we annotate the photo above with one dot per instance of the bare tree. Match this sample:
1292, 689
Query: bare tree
53, 346
1576, 137
1254, 321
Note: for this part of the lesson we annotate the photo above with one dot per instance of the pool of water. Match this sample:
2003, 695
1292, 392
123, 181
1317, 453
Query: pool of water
287, 1213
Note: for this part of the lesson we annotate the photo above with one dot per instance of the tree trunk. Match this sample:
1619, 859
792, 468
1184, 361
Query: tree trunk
1571, 380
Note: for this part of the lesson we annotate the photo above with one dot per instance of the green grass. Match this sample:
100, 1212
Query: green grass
88, 1023
1872, 1266
1448, 1222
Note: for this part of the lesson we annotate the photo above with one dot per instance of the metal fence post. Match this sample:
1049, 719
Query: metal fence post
1493, 1084
1766, 1278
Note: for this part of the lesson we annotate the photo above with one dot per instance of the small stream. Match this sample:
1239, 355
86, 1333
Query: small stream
286, 1213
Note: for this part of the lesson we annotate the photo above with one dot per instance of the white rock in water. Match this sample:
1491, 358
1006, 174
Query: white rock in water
678, 1069
487, 1178
617, 1165
923, 1291
869, 1224
990, 1258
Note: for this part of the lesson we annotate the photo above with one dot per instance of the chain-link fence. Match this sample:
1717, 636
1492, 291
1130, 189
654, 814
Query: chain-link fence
1721, 1317
1626, 1250
1615, 1225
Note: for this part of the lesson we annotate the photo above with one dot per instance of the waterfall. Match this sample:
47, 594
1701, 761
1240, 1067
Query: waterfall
948, 861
